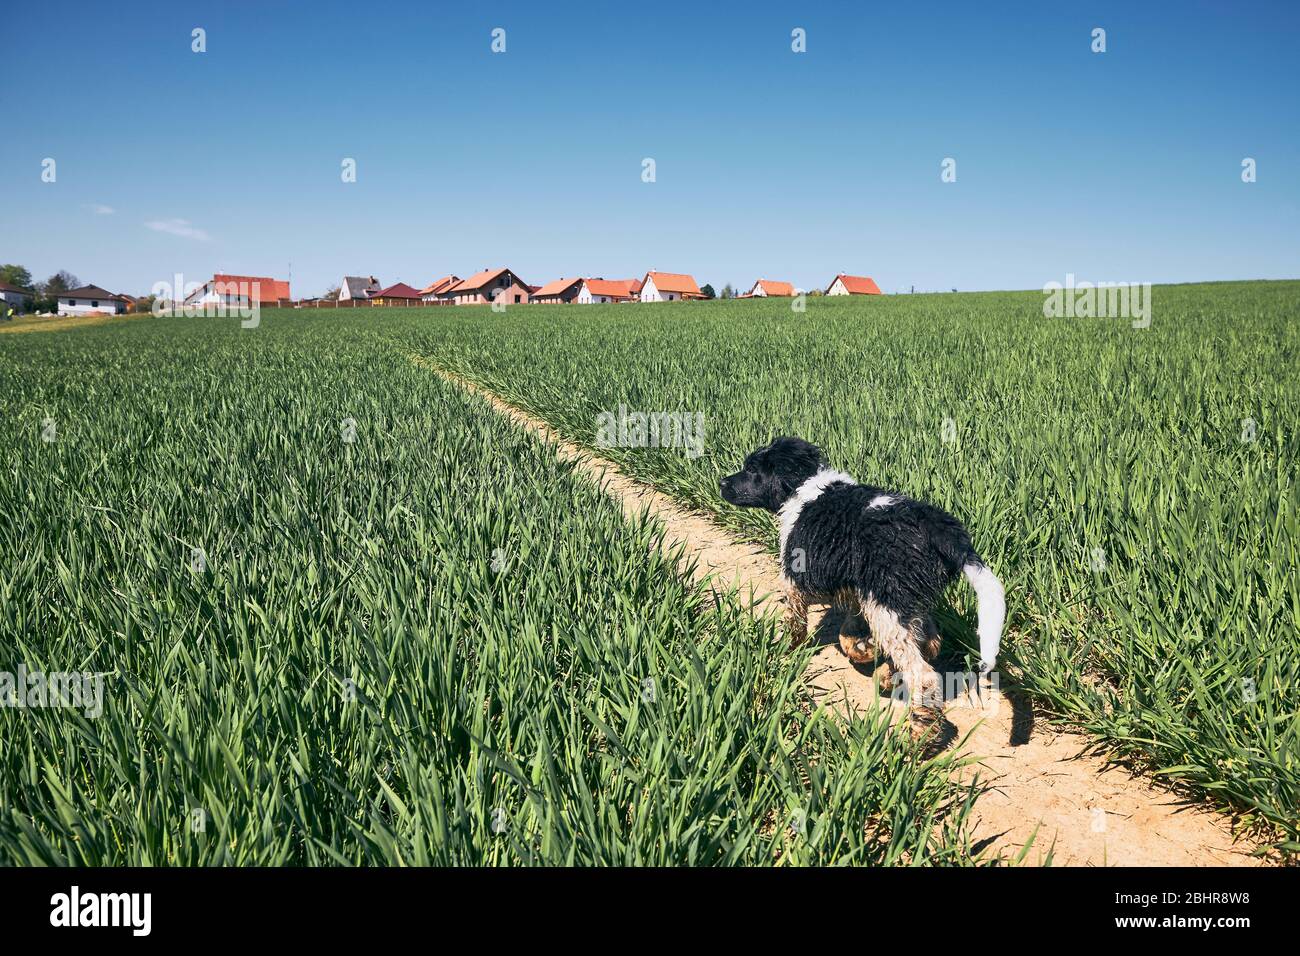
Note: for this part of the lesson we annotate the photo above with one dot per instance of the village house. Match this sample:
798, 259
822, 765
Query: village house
668, 287
358, 287
490, 285
233, 291
437, 292
852, 285
90, 299
766, 287
594, 291
14, 297
561, 291
399, 293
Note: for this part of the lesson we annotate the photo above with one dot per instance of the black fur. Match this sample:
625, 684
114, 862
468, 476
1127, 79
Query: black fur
904, 555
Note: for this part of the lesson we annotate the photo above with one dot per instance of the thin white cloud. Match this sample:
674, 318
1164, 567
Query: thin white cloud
178, 227
99, 209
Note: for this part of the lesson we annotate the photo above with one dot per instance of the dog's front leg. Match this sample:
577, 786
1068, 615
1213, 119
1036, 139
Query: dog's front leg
796, 613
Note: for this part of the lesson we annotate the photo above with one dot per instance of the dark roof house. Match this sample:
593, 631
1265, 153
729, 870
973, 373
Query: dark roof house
358, 287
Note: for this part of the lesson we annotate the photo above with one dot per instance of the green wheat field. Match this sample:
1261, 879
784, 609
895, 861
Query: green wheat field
346, 614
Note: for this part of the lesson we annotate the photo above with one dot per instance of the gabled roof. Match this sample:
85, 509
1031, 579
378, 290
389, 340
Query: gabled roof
7, 287
265, 288
558, 287
677, 282
441, 285
90, 292
619, 288
398, 290
772, 287
360, 286
857, 285
477, 281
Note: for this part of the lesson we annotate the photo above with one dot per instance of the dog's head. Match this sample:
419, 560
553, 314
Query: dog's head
770, 475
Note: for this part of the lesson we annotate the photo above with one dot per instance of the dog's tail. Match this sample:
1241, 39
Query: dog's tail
991, 605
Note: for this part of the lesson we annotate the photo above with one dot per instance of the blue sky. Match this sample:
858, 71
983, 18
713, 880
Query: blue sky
1115, 166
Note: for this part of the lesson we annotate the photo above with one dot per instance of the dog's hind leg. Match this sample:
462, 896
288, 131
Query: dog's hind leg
901, 641
855, 637
930, 641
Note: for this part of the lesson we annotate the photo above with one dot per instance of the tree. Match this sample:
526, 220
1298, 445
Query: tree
708, 291
16, 275
61, 281
727, 292
331, 293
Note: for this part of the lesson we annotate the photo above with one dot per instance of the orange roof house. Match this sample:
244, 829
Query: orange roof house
489, 286
399, 293
852, 285
560, 291
437, 290
595, 291
764, 287
229, 289
669, 287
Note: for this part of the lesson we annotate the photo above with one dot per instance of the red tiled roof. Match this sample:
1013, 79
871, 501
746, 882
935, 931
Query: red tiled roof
616, 288
442, 285
772, 287
677, 282
477, 281
857, 285
265, 289
398, 290
557, 287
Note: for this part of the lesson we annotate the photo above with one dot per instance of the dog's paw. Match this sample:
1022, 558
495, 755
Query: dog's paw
929, 728
857, 649
796, 631
884, 675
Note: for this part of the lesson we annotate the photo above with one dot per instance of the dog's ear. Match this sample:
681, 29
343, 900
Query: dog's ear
796, 454
786, 464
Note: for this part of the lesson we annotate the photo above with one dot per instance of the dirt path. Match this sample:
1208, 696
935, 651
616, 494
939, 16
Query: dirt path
1089, 813
62, 323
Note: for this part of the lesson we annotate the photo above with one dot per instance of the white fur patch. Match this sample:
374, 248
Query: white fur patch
883, 501
991, 607
810, 490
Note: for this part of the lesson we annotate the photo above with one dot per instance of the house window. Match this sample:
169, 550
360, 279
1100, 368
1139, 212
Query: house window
516, 297
94, 304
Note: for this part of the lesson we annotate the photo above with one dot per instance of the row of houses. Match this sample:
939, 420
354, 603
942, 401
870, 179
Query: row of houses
505, 286
488, 286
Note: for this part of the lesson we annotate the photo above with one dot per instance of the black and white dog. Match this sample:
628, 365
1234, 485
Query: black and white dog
883, 557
